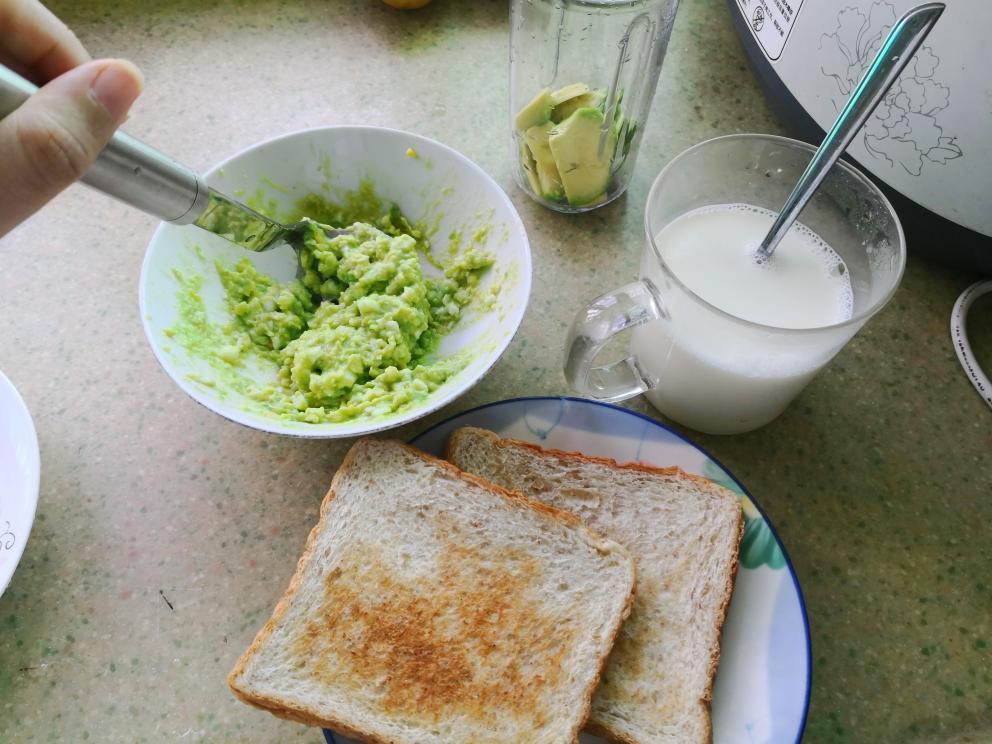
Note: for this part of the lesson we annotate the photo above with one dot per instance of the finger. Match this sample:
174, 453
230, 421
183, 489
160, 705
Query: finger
35, 42
54, 137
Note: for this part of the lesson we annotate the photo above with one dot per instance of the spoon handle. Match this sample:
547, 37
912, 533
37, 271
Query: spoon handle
896, 52
127, 168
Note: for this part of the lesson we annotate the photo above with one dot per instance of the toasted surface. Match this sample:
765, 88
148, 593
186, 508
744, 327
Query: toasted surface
430, 606
684, 533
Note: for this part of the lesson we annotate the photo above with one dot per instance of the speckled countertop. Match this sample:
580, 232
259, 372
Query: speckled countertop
878, 478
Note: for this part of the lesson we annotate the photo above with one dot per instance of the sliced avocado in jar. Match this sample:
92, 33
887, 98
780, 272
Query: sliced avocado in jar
536, 112
618, 122
550, 180
584, 170
629, 137
530, 168
621, 124
537, 140
547, 170
568, 92
589, 99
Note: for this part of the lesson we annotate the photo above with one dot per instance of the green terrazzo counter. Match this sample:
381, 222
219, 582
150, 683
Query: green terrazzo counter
165, 534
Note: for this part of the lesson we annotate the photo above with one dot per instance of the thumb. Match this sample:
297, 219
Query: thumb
54, 137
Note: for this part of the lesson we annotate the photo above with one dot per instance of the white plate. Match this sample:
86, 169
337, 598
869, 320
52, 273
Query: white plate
439, 187
763, 683
20, 473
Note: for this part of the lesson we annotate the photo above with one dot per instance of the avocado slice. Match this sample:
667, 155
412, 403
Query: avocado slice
550, 180
618, 123
547, 170
585, 172
629, 136
530, 168
568, 92
536, 112
589, 99
537, 140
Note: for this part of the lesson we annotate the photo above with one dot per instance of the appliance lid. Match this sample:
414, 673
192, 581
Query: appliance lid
931, 138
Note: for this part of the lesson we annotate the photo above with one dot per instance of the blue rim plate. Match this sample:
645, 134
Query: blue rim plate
763, 684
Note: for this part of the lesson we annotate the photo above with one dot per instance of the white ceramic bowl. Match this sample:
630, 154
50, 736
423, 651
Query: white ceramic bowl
432, 184
20, 472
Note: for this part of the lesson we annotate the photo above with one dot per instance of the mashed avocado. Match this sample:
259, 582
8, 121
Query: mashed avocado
356, 333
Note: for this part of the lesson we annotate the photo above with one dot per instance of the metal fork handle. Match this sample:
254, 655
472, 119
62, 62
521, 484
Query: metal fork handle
128, 169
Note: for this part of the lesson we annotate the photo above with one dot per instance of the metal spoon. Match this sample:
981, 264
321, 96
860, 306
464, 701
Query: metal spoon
143, 177
897, 49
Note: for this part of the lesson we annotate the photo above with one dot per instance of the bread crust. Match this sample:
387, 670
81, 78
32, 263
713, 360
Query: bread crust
612, 735
579, 456
306, 715
593, 725
722, 617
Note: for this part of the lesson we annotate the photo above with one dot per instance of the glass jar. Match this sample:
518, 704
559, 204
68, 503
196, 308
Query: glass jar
582, 76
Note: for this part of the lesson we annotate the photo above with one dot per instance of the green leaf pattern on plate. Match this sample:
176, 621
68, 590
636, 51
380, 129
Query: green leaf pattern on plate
758, 545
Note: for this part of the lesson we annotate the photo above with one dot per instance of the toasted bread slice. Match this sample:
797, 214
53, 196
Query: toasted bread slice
431, 606
684, 533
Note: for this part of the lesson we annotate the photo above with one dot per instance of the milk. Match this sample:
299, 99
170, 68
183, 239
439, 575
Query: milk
719, 375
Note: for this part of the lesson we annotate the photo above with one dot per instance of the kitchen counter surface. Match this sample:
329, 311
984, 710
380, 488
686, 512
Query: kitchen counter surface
165, 534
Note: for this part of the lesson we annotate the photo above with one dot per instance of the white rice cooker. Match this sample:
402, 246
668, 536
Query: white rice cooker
929, 143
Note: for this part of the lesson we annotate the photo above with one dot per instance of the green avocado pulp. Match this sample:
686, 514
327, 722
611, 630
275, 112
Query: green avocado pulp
355, 335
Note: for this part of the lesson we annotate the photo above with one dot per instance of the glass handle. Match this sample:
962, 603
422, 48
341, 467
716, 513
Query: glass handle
594, 326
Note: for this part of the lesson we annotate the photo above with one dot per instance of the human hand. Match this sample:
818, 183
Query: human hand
54, 137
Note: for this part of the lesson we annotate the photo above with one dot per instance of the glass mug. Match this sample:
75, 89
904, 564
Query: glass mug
699, 365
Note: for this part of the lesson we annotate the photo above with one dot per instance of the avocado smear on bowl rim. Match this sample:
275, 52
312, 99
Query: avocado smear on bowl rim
355, 335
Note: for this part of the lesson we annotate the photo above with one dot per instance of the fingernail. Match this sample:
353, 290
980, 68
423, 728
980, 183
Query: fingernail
117, 86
